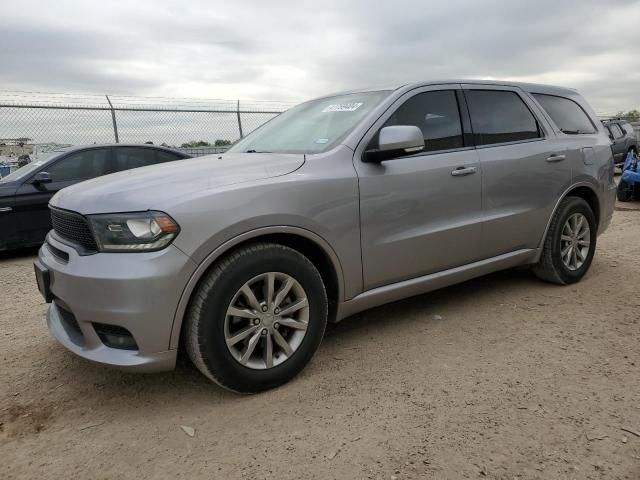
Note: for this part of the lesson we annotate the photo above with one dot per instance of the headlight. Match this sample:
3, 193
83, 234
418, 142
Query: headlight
133, 232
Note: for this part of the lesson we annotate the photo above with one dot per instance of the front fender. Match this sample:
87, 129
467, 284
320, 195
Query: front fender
235, 241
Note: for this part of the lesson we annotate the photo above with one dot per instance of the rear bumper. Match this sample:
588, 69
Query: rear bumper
138, 292
608, 203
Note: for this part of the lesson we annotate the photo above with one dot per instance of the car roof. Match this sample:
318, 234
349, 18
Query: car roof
57, 153
528, 87
614, 120
120, 145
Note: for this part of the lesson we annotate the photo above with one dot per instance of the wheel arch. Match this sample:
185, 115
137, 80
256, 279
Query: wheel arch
304, 241
585, 191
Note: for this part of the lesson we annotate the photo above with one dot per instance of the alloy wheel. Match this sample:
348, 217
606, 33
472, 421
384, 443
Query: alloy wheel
266, 320
575, 241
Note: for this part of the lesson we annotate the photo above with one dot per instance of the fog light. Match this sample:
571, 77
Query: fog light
114, 336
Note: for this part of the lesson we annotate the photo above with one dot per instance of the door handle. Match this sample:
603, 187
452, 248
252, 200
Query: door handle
460, 171
555, 158
5, 209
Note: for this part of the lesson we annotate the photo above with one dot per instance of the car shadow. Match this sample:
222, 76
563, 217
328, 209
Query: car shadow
170, 388
435, 303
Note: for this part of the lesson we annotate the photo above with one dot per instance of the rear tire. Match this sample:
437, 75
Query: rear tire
212, 332
624, 191
566, 257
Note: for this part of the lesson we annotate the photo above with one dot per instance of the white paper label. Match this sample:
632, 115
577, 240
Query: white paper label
342, 107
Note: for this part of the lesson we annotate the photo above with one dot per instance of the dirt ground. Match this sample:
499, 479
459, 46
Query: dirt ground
501, 377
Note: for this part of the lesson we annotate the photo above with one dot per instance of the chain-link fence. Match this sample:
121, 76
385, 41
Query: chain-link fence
197, 125
32, 122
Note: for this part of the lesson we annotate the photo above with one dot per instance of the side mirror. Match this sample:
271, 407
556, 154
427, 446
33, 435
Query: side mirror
41, 177
396, 141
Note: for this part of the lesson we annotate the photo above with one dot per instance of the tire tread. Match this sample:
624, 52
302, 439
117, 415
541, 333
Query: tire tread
194, 312
545, 269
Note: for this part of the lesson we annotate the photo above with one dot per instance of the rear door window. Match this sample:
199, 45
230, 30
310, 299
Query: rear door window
80, 166
436, 114
132, 157
500, 116
609, 131
566, 114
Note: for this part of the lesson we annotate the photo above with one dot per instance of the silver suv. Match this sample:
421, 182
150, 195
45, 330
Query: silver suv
337, 205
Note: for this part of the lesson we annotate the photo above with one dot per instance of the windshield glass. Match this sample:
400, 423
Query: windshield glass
311, 127
23, 172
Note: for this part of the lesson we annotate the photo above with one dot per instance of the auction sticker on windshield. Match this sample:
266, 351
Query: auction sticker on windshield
343, 107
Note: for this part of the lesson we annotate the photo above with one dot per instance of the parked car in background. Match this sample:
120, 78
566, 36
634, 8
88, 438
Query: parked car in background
623, 139
24, 194
337, 205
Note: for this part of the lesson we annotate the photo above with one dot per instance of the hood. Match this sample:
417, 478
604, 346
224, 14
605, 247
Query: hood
146, 188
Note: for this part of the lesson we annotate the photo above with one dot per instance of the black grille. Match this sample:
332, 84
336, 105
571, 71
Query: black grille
73, 227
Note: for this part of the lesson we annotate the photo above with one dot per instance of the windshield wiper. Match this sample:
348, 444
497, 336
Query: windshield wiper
254, 151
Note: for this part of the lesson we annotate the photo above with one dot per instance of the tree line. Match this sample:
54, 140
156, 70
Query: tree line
201, 143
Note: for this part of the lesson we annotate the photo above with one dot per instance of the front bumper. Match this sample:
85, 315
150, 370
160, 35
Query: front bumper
135, 291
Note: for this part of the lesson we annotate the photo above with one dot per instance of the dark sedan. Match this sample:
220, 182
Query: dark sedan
25, 193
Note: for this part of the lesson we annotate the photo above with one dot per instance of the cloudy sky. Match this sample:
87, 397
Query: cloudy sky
293, 50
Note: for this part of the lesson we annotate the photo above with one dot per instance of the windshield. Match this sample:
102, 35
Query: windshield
23, 172
311, 127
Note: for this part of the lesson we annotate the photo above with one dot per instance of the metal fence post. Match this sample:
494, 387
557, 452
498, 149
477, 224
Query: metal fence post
113, 118
239, 119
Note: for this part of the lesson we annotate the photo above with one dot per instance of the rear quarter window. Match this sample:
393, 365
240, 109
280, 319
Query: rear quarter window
628, 128
168, 156
566, 114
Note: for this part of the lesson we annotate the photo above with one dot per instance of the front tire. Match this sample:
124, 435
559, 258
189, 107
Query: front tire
570, 243
257, 318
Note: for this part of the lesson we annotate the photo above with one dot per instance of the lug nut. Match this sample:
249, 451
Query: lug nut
264, 308
264, 331
276, 311
256, 321
276, 325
